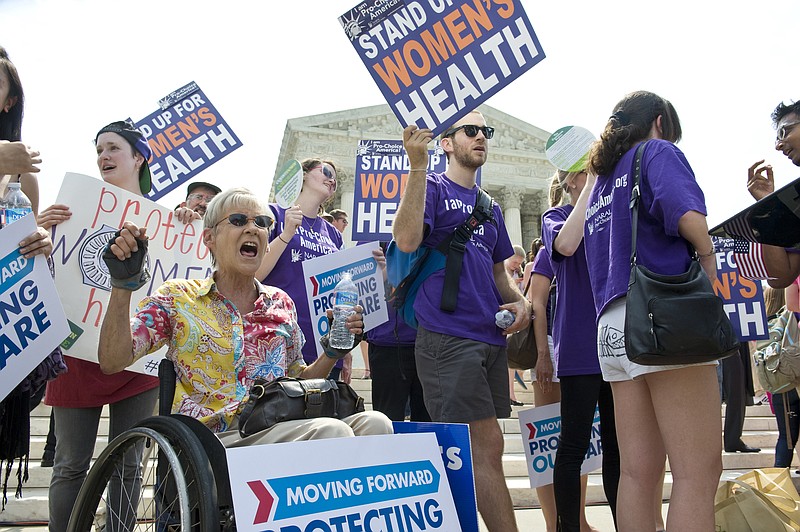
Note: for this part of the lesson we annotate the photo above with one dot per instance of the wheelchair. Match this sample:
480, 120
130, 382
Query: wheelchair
168, 473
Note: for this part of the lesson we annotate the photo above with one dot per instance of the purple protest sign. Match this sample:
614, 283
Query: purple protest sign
436, 60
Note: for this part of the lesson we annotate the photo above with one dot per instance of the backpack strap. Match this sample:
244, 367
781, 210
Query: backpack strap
455, 246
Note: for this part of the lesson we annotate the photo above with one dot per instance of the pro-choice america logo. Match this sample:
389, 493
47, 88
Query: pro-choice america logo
93, 269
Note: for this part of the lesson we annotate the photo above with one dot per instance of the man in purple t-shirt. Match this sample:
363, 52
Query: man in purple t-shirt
783, 265
461, 355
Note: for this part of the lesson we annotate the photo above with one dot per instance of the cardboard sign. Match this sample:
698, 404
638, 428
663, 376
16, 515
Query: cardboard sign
187, 135
744, 298
175, 251
388, 482
435, 61
380, 181
540, 429
322, 273
568, 148
454, 444
288, 184
32, 322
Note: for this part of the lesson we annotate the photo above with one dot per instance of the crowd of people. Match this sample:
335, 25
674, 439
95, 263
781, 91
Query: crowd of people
452, 368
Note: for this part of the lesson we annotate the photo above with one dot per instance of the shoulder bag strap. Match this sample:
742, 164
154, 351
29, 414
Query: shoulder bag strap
635, 195
458, 244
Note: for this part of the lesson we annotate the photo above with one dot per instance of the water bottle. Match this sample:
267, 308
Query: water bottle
504, 318
15, 204
345, 298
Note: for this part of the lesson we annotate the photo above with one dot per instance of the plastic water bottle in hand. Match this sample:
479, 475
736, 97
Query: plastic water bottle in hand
504, 318
14, 205
345, 298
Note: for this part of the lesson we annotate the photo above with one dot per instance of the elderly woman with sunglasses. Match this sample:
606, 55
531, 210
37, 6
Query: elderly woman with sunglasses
301, 233
249, 330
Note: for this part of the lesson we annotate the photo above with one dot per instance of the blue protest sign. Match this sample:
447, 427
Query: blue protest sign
743, 298
436, 60
454, 443
187, 135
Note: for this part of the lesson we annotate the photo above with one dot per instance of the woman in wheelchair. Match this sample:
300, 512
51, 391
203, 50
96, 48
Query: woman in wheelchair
222, 332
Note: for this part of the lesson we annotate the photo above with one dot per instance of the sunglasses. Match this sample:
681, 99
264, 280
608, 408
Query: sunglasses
472, 131
785, 130
262, 221
327, 172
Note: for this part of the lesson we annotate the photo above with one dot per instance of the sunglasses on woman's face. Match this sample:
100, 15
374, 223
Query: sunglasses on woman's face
327, 172
262, 221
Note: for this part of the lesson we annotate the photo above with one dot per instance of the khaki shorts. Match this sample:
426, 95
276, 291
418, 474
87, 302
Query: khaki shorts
462, 380
614, 361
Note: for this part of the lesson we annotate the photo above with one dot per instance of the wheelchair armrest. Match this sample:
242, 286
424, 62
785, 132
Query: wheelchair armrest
166, 386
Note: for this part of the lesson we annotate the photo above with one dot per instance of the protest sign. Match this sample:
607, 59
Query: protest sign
380, 181
568, 148
540, 429
454, 445
435, 61
288, 183
321, 275
32, 322
175, 251
743, 298
187, 135
387, 482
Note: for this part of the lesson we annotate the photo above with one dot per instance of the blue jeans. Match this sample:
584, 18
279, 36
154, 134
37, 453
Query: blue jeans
76, 434
783, 453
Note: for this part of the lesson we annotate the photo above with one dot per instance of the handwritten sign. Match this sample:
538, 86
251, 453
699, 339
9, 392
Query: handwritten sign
187, 135
434, 60
32, 322
387, 482
743, 298
322, 273
540, 429
175, 251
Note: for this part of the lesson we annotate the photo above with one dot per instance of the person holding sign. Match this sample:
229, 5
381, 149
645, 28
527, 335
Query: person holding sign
253, 330
78, 396
198, 196
300, 233
782, 264
461, 355
575, 342
661, 411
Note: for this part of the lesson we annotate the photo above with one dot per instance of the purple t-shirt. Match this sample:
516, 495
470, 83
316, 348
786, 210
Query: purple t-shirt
574, 329
542, 266
447, 205
668, 191
314, 237
385, 334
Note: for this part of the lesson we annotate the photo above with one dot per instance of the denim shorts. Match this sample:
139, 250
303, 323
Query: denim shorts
614, 361
463, 380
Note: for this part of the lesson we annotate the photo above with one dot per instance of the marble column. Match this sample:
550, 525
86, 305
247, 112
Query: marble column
511, 198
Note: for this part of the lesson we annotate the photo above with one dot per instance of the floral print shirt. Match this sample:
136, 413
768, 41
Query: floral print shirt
217, 351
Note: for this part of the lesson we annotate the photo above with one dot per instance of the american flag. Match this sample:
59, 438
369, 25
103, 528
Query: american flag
749, 259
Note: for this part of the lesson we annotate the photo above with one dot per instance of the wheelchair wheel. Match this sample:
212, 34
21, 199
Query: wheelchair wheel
154, 476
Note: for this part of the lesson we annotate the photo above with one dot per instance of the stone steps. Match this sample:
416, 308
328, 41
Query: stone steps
760, 430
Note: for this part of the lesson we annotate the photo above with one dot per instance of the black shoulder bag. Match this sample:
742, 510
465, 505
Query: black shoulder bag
672, 319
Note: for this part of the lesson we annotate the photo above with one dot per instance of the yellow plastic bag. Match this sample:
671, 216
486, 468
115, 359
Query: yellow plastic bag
762, 500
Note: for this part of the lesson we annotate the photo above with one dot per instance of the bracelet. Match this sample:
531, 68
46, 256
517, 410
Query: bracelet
282, 240
418, 170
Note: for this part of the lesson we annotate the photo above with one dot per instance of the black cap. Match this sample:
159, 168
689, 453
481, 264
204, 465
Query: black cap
194, 184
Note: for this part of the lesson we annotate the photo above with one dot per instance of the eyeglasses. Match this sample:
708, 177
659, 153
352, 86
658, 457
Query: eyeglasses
472, 131
202, 197
343, 220
262, 221
785, 130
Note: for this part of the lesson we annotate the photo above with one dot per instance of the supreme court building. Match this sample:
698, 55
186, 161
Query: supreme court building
517, 173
